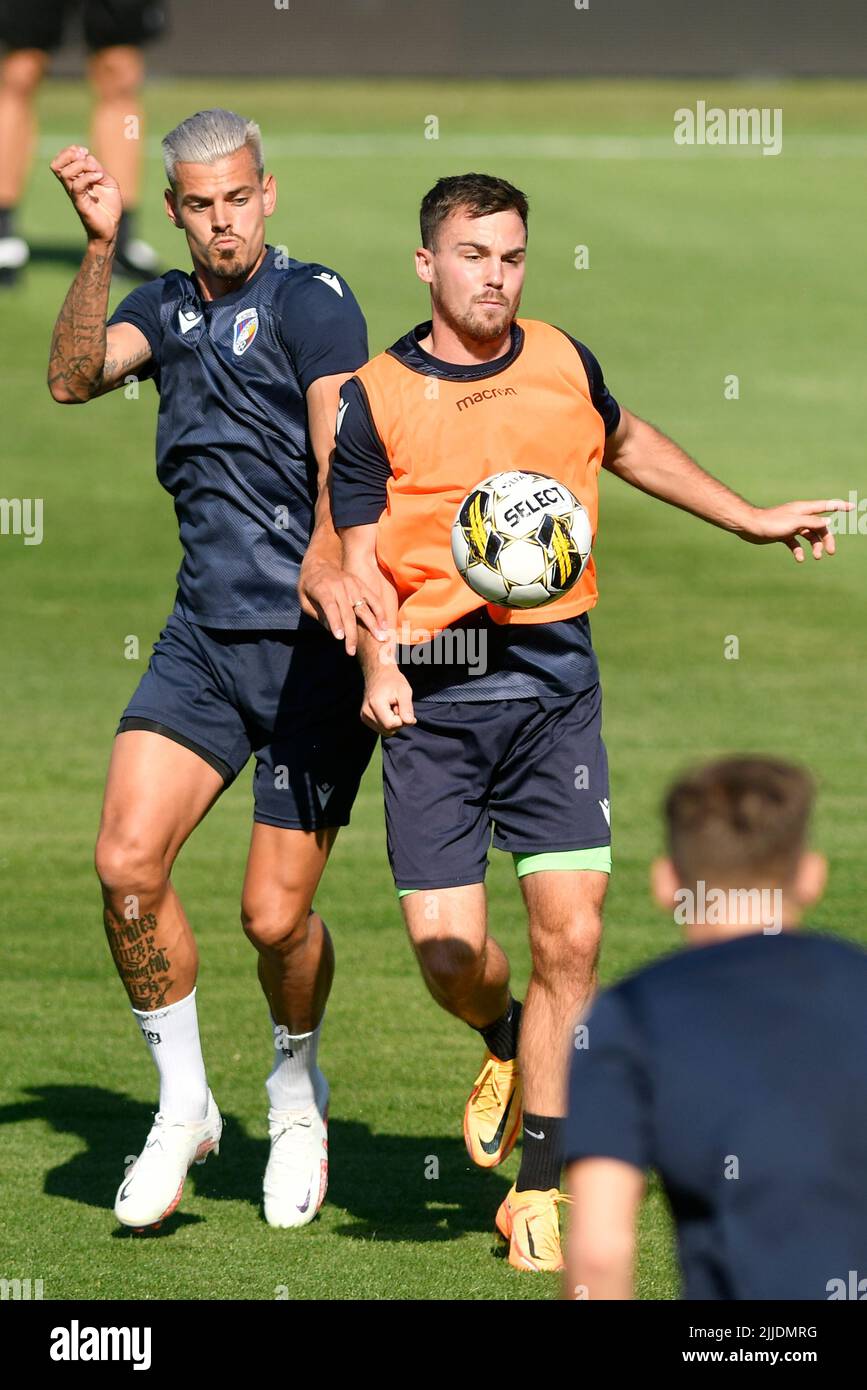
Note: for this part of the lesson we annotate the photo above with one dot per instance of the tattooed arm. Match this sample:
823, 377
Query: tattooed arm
88, 359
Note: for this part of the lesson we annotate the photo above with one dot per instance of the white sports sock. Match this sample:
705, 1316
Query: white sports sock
172, 1035
295, 1081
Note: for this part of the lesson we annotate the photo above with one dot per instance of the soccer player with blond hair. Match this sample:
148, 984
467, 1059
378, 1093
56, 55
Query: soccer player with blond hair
248, 352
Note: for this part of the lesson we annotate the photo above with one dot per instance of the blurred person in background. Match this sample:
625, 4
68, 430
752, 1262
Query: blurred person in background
737, 1068
114, 31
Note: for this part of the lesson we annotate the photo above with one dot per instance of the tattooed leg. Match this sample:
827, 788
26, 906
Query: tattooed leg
157, 793
143, 959
154, 951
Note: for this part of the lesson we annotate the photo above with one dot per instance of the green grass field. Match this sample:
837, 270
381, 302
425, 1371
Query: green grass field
702, 264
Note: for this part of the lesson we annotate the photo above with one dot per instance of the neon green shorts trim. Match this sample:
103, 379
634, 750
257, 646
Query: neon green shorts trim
570, 859
598, 859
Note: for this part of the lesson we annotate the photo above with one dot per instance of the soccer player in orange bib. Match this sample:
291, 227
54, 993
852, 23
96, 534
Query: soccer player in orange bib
491, 716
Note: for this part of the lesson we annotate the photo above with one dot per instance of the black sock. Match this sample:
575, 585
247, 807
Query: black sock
126, 229
7, 221
501, 1036
542, 1154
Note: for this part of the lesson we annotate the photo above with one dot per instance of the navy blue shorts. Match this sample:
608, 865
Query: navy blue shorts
535, 771
291, 698
107, 23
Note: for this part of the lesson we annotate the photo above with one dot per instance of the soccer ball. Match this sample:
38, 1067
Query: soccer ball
521, 539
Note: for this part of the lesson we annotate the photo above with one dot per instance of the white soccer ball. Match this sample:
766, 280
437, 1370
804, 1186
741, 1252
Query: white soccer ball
521, 539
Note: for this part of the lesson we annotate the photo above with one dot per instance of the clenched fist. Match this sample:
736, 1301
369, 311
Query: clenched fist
95, 194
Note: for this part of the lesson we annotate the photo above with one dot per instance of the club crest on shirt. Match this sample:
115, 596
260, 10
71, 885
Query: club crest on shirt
245, 330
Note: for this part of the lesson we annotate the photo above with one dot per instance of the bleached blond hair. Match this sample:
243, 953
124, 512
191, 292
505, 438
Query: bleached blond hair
208, 136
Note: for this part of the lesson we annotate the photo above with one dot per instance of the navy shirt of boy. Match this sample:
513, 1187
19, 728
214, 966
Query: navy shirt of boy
739, 1072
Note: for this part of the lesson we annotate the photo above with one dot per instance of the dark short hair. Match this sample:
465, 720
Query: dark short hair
479, 194
739, 821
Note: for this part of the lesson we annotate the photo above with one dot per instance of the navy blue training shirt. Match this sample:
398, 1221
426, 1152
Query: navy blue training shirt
739, 1072
530, 661
232, 442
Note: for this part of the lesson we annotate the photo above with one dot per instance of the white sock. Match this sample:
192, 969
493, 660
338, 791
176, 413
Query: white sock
172, 1035
295, 1081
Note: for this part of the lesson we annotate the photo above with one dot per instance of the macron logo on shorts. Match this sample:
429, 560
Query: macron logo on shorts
606, 811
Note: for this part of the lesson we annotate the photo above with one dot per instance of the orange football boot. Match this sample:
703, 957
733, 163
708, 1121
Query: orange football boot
530, 1222
492, 1116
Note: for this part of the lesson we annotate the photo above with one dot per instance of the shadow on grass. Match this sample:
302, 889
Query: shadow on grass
386, 1185
392, 1187
55, 253
62, 256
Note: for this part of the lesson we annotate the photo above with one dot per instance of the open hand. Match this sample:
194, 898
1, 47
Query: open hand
340, 601
795, 522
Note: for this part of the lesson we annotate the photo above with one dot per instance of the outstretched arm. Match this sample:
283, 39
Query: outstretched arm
87, 359
647, 459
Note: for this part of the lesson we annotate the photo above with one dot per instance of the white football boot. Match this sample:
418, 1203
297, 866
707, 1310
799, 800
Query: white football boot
296, 1178
153, 1186
137, 260
14, 255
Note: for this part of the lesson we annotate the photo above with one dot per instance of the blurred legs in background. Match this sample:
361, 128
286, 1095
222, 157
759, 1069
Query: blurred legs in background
20, 75
117, 132
115, 68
